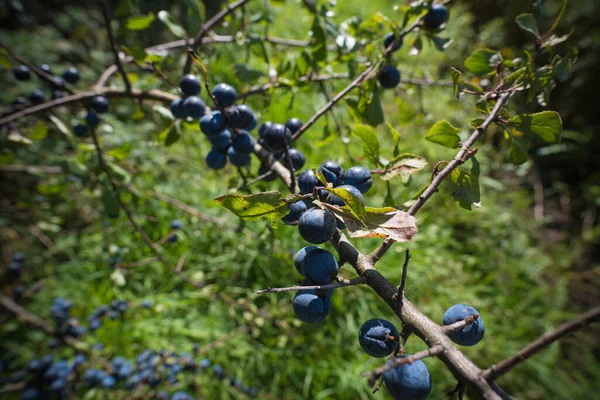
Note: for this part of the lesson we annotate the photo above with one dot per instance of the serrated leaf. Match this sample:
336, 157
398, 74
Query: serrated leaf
175, 28
546, 124
397, 225
528, 23
139, 22
369, 141
39, 131
318, 41
480, 62
442, 132
268, 205
404, 165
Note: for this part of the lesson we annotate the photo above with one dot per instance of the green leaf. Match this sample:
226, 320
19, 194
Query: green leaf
120, 153
546, 124
460, 85
404, 165
369, 141
139, 22
39, 131
318, 41
353, 203
175, 29
464, 186
196, 13
442, 132
441, 44
481, 62
518, 155
528, 23
110, 203
396, 137
373, 112
268, 205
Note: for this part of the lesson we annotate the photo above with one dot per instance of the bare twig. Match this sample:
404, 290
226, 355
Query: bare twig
180, 262
187, 209
460, 325
359, 280
396, 362
499, 369
139, 263
114, 45
32, 169
400, 294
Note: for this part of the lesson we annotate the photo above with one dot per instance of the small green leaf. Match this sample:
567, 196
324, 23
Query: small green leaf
120, 153
369, 141
175, 29
174, 135
139, 22
268, 205
546, 124
396, 137
481, 62
442, 132
528, 23
404, 165
441, 44
464, 186
39, 131
318, 41
460, 85
353, 203
518, 155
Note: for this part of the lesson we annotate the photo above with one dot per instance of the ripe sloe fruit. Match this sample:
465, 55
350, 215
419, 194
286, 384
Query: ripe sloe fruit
373, 337
471, 334
408, 381
317, 226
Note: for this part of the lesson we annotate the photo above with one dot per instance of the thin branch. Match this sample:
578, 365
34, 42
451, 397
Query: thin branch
268, 159
256, 180
131, 219
460, 325
187, 209
139, 263
278, 84
52, 80
208, 26
154, 94
380, 251
32, 169
400, 294
165, 238
501, 368
396, 362
359, 280
180, 262
114, 45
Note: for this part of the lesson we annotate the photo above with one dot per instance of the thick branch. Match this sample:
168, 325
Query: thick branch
269, 160
113, 44
541, 343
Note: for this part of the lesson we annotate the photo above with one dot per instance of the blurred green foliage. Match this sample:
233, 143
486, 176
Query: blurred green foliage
524, 275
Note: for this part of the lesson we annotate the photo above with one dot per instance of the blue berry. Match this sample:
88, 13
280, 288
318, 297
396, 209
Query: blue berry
213, 123
336, 201
222, 140
190, 85
309, 307
100, 104
317, 226
216, 159
241, 117
307, 181
46, 68
237, 159
408, 381
176, 224
332, 171
80, 130
374, 337
177, 108
296, 211
389, 39
224, 94
278, 137
293, 124
435, 17
194, 107
298, 159
71, 75
243, 143
319, 266
21, 73
389, 77
37, 96
263, 128
359, 177
469, 335
299, 257
92, 119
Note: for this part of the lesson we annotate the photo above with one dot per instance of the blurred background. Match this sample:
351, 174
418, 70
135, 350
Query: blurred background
528, 259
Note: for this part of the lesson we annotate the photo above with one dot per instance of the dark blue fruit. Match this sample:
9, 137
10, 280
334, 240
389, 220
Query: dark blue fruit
222, 140
408, 381
18, 257
390, 38
310, 307
176, 224
177, 108
332, 171
336, 201
92, 119
100, 104
71, 75
435, 17
298, 159
213, 123
57, 94
319, 267
317, 226
469, 335
243, 143
37, 96
80, 130
241, 117
194, 107
46, 68
21, 73
57, 83
296, 211
293, 124
299, 257
19, 102
224, 95
190, 85
263, 169
216, 159
278, 137
237, 159
359, 177
263, 128
389, 77
378, 337
307, 181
